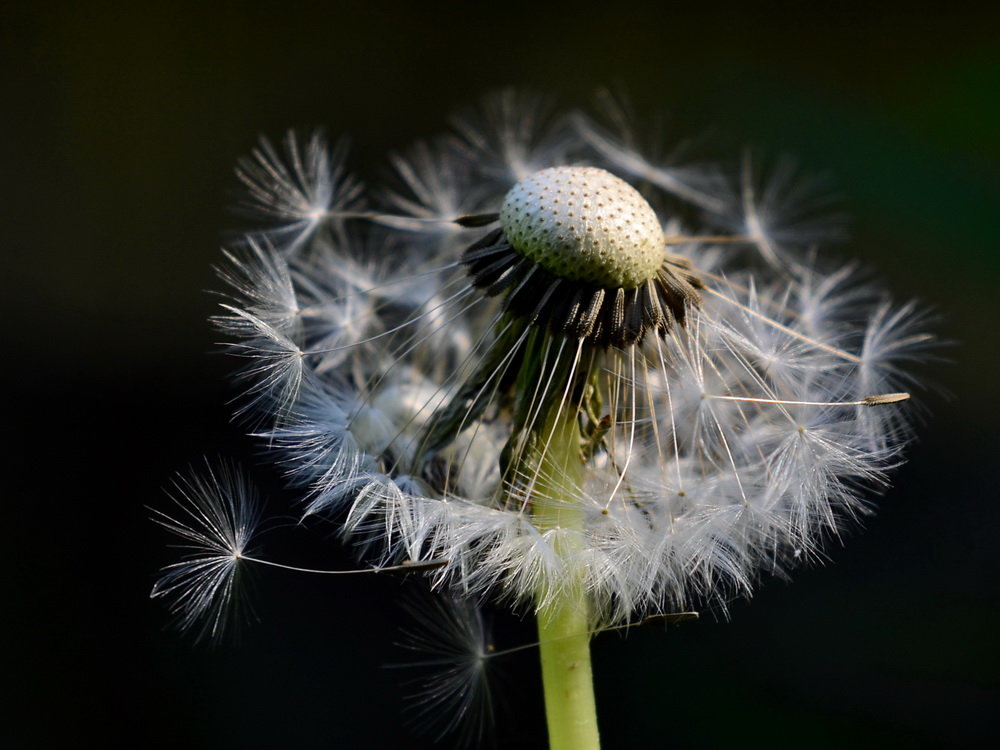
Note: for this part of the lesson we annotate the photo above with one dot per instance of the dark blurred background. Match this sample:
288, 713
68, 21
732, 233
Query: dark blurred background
119, 127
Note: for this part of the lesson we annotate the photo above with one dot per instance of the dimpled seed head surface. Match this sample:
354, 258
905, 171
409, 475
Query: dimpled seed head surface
585, 224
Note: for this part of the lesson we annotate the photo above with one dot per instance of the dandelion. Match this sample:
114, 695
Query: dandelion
565, 375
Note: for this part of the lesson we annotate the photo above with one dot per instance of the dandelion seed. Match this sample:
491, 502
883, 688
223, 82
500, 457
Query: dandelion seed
454, 655
262, 287
297, 192
452, 645
275, 369
700, 186
783, 212
510, 136
218, 514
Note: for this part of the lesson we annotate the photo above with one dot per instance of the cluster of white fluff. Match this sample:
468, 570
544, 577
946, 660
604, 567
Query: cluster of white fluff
737, 442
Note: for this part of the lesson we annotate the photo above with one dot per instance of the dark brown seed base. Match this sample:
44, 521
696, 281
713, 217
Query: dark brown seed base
599, 315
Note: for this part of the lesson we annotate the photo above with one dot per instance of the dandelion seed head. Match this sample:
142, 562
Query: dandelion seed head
723, 416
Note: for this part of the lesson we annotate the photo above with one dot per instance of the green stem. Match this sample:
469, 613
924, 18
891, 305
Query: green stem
564, 623
564, 645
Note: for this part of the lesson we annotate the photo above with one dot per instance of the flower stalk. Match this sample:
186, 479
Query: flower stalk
564, 622
564, 646
548, 468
